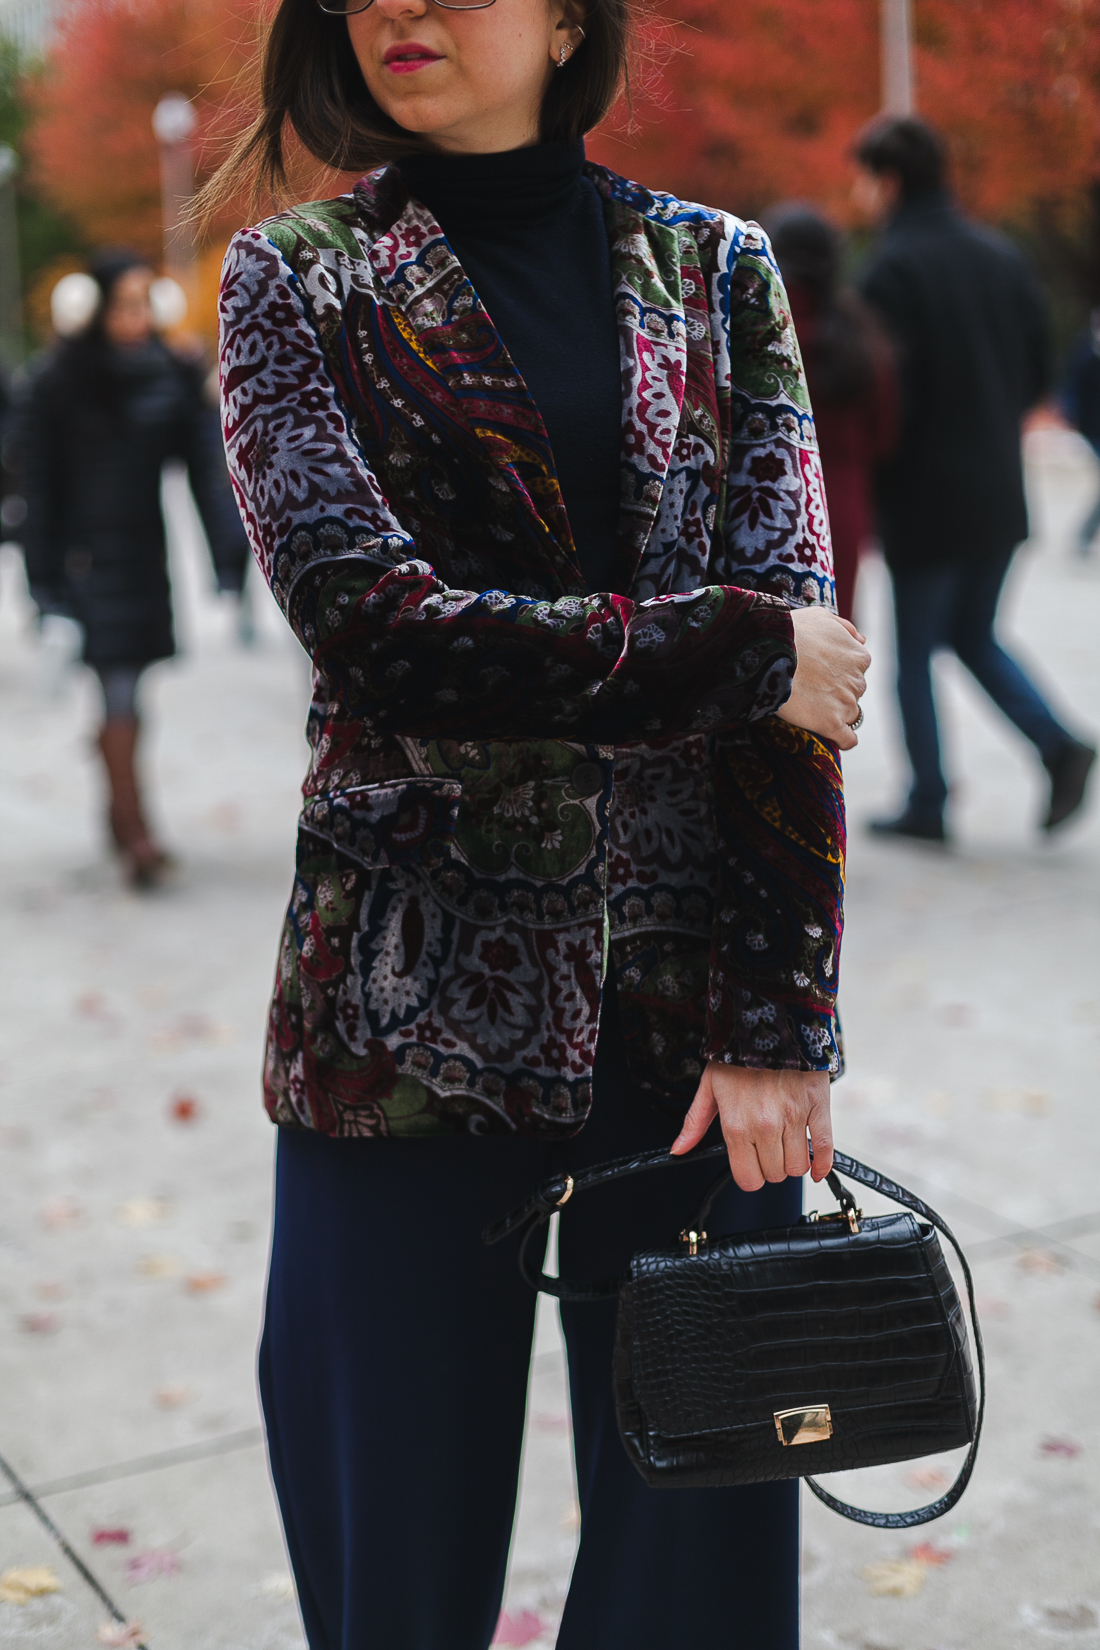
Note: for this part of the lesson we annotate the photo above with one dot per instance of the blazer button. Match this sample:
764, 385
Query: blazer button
587, 778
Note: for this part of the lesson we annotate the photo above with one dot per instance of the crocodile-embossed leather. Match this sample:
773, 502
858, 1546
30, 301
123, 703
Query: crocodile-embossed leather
710, 1346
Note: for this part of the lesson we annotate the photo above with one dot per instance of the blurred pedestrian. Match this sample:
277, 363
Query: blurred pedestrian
971, 328
1080, 399
851, 375
99, 416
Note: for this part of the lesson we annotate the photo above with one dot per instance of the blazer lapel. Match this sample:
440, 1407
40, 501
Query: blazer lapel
649, 299
441, 317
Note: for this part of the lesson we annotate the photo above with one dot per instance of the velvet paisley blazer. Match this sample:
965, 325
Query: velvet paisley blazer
523, 793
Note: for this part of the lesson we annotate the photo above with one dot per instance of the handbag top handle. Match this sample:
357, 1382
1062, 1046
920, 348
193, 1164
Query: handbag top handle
555, 1192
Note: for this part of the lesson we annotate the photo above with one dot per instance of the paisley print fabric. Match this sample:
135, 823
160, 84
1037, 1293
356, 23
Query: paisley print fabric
523, 793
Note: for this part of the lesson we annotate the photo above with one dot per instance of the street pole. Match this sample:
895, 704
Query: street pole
11, 319
898, 97
174, 122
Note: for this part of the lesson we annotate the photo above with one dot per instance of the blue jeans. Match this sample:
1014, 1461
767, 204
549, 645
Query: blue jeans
955, 607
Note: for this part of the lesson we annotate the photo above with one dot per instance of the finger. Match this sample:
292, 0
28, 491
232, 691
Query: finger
821, 1134
744, 1162
770, 1154
700, 1115
796, 1150
851, 629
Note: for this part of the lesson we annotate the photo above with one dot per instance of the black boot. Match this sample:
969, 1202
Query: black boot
923, 824
1069, 776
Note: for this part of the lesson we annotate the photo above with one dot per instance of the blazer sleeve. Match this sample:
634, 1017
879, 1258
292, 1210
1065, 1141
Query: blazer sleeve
404, 650
777, 789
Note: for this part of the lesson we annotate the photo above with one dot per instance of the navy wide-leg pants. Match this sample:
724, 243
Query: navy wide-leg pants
393, 1371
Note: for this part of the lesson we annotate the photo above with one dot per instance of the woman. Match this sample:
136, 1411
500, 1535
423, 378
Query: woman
851, 375
104, 412
532, 557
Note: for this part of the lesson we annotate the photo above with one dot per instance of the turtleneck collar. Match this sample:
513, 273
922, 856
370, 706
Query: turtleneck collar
516, 185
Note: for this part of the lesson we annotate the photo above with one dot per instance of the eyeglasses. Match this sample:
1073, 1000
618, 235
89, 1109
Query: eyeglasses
343, 8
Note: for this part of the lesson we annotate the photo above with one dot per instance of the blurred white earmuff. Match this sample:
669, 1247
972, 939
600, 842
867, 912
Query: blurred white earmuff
73, 304
168, 302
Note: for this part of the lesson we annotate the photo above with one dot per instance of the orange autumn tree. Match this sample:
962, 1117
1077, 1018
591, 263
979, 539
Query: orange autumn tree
761, 100
755, 102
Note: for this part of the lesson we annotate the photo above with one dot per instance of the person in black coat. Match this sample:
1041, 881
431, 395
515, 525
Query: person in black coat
970, 325
1080, 400
98, 418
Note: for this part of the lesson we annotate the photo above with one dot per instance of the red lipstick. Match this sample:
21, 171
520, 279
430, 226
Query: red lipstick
408, 56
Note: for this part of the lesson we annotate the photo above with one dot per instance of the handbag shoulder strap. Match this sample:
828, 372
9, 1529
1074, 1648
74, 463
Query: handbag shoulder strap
555, 1192
854, 1170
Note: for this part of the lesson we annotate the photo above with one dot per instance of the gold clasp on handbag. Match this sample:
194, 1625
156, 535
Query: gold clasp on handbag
693, 1240
568, 1192
804, 1426
852, 1216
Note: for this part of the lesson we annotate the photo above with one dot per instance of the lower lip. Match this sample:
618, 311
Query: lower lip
410, 65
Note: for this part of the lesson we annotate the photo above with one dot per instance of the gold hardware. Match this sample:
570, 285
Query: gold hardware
568, 1192
804, 1426
693, 1240
852, 1216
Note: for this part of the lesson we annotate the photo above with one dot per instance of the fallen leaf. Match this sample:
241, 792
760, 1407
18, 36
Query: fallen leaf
519, 1629
191, 1028
142, 1211
172, 1395
278, 1585
159, 1266
110, 1538
50, 1291
147, 1566
20, 1586
926, 1553
1039, 1262
204, 1283
989, 1307
895, 1578
185, 1109
60, 1211
40, 1323
1065, 1447
1073, 1620
926, 1478
91, 1005
121, 1635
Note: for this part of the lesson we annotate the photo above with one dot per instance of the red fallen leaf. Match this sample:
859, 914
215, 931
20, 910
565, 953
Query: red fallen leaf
185, 1109
1061, 1446
519, 1629
204, 1283
110, 1538
158, 1561
40, 1323
927, 1554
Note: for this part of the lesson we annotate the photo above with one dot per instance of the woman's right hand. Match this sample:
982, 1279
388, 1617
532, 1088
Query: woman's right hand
830, 675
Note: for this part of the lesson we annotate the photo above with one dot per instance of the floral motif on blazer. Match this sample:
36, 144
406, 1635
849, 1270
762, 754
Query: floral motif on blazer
523, 793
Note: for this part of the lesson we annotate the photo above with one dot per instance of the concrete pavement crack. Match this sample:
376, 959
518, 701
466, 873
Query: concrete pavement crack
247, 1439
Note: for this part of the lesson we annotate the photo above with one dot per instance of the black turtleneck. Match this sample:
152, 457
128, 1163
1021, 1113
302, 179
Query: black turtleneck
527, 227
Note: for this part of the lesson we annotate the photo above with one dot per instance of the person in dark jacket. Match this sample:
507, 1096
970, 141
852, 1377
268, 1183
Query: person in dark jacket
970, 325
851, 375
99, 417
1080, 401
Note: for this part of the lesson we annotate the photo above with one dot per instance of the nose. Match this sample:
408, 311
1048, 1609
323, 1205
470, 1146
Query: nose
401, 8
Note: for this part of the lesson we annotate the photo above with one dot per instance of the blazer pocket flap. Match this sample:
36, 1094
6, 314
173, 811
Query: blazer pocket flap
402, 822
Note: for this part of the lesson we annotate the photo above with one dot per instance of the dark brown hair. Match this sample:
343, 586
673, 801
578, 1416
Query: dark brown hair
309, 80
907, 146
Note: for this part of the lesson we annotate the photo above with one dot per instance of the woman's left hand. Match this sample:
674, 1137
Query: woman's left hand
765, 1116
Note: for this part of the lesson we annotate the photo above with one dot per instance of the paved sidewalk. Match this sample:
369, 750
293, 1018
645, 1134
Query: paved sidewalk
133, 1223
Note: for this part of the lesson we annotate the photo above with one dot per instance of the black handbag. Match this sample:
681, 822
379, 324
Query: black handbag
835, 1343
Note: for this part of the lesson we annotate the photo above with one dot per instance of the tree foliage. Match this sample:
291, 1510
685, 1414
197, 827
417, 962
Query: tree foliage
741, 105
